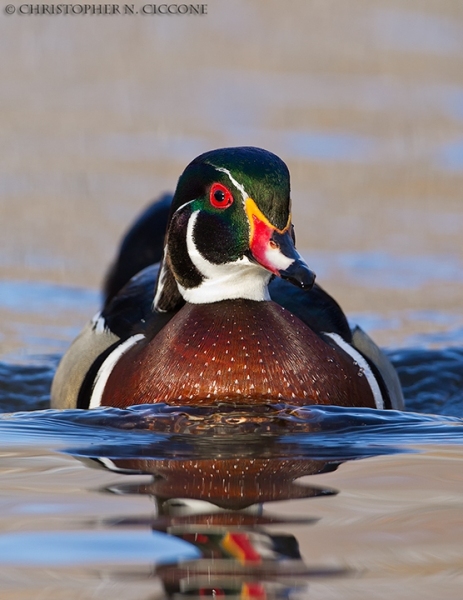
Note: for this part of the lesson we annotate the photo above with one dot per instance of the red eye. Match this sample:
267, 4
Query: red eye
220, 196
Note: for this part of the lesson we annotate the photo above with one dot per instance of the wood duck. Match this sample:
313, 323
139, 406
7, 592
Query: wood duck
231, 312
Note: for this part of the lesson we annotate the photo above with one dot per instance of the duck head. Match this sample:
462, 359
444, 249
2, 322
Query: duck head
229, 231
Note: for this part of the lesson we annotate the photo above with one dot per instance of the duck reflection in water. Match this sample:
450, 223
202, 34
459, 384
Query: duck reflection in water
218, 504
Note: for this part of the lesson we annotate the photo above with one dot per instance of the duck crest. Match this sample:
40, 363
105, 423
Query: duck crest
237, 351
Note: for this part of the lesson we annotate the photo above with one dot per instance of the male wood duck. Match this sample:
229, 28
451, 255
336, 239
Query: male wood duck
231, 312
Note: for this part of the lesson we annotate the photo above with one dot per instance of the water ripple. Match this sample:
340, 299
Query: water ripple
184, 433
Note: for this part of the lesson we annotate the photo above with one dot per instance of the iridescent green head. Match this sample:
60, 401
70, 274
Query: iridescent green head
230, 229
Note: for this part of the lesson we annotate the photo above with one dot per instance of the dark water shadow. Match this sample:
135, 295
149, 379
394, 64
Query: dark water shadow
432, 380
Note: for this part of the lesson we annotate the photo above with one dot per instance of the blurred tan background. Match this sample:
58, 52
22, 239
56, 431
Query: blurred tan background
362, 99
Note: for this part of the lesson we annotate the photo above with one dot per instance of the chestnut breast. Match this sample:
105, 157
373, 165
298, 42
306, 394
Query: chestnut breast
239, 351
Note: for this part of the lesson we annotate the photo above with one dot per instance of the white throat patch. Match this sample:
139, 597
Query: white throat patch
238, 279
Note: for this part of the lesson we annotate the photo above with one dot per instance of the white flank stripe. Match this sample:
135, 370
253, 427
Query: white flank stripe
107, 367
363, 364
110, 465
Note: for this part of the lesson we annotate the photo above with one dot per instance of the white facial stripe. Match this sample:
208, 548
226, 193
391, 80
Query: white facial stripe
238, 185
183, 205
363, 364
238, 279
192, 250
107, 367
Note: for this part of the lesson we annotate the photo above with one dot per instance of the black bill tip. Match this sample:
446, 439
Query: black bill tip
299, 274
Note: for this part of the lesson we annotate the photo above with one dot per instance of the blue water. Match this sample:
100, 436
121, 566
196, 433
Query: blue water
90, 548
182, 433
